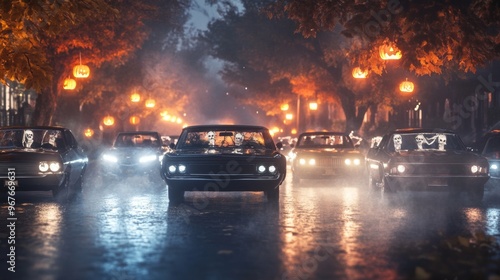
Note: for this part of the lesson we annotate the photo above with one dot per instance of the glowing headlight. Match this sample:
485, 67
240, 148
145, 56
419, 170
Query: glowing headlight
147, 158
312, 162
401, 168
302, 161
109, 158
182, 168
261, 168
43, 166
474, 169
347, 161
172, 169
272, 168
494, 166
54, 166
357, 161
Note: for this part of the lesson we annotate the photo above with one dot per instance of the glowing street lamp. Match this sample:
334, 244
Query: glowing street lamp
289, 116
313, 106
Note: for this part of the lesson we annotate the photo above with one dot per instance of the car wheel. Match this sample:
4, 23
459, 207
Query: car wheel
273, 194
175, 194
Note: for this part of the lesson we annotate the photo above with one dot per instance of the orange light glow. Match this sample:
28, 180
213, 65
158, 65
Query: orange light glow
69, 84
284, 107
289, 116
135, 120
313, 106
89, 132
359, 74
150, 103
135, 97
406, 86
389, 52
108, 121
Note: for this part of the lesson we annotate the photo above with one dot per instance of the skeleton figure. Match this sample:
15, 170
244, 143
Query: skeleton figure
398, 141
52, 139
441, 141
420, 139
211, 138
238, 139
28, 138
332, 140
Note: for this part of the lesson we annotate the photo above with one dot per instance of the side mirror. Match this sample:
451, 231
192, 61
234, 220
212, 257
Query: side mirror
279, 145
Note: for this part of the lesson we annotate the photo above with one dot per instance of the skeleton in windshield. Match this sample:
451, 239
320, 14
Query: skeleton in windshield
28, 138
398, 141
441, 141
420, 139
211, 138
238, 139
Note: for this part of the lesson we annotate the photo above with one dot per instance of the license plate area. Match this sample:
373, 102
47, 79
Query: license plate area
437, 182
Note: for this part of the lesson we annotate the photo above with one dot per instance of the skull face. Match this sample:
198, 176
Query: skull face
420, 139
211, 138
441, 141
28, 138
398, 140
238, 139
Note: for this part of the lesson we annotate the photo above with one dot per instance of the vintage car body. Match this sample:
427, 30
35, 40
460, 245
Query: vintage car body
224, 158
42, 158
489, 147
426, 159
320, 155
133, 153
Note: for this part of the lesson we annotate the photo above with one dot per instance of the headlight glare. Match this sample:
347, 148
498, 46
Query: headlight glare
147, 158
272, 169
43, 166
261, 168
109, 158
54, 166
401, 168
182, 168
474, 169
347, 161
302, 161
357, 161
172, 169
312, 162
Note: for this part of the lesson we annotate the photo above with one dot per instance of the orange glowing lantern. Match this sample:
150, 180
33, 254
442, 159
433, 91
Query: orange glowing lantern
289, 116
69, 84
406, 86
135, 120
81, 71
313, 106
108, 121
359, 74
135, 97
388, 52
150, 103
89, 132
285, 107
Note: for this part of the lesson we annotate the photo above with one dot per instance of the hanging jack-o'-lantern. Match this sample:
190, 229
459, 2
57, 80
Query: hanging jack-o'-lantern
313, 105
388, 52
406, 86
81, 70
135, 120
108, 121
150, 103
69, 84
89, 132
135, 97
359, 74
284, 107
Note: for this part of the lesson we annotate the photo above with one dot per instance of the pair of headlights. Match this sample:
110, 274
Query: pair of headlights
474, 169
46, 166
347, 161
261, 169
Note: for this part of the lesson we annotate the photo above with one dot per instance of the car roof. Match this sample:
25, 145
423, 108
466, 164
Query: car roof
322, 133
34, 127
224, 126
422, 130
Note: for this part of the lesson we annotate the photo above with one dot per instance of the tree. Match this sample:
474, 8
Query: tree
275, 64
42, 40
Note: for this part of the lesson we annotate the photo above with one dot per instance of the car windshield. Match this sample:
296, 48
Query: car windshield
213, 138
492, 146
324, 141
424, 141
139, 140
32, 139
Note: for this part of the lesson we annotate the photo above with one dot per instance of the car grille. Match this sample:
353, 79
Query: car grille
21, 169
329, 162
204, 169
440, 169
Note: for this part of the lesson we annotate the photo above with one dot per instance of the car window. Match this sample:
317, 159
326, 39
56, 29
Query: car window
32, 138
224, 139
144, 140
492, 146
324, 141
424, 141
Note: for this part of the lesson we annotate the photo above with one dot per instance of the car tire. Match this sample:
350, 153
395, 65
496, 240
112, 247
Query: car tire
273, 195
175, 194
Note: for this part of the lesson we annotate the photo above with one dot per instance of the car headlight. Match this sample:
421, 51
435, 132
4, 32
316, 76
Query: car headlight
261, 168
43, 166
494, 166
347, 161
109, 158
147, 158
172, 168
54, 166
474, 169
357, 161
272, 169
182, 168
401, 168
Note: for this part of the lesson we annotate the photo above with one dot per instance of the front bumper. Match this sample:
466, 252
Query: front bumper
46, 182
225, 182
429, 182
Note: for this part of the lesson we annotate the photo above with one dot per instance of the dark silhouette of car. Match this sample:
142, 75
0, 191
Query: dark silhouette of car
224, 158
42, 158
426, 159
133, 153
489, 147
323, 155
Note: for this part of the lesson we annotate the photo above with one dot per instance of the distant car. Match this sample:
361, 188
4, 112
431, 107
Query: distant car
42, 158
489, 147
224, 158
426, 159
320, 155
133, 153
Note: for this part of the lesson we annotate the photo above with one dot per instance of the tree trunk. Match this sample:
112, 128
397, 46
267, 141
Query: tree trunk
46, 104
354, 118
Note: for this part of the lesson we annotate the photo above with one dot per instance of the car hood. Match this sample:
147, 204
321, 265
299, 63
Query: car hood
347, 151
26, 153
435, 156
133, 151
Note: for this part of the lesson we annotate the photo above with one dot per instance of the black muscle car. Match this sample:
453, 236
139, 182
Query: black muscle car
43, 158
224, 158
319, 155
426, 159
133, 153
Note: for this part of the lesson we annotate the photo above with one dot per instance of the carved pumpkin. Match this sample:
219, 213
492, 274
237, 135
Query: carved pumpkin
134, 120
285, 107
359, 74
135, 97
388, 52
406, 86
108, 121
150, 103
81, 71
89, 132
69, 84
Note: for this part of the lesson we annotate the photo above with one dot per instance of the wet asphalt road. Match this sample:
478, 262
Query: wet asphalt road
318, 230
